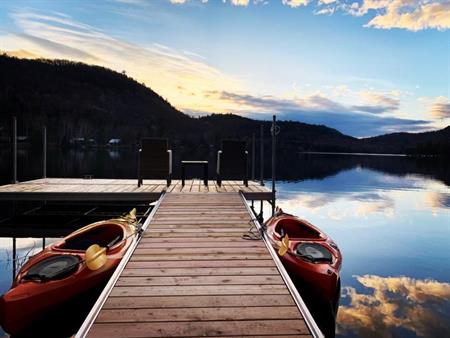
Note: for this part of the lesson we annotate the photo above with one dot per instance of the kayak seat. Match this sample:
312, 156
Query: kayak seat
101, 235
295, 229
52, 267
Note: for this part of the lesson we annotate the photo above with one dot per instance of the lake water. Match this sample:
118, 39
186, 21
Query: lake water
394, 234
390, 217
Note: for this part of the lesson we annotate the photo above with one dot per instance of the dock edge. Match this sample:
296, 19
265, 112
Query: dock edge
308, 318
89, 321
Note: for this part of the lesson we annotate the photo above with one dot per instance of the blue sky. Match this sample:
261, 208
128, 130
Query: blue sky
364, 68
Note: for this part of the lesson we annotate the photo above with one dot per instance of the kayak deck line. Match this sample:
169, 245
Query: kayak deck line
192, 274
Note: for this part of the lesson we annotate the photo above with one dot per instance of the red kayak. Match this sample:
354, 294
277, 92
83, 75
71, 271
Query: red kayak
65, 270
311, 256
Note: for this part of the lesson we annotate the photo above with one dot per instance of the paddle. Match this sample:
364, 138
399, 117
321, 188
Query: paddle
284, 246
95, 255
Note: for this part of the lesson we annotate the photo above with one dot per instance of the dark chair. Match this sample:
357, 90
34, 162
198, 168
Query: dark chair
155, 160
232, 161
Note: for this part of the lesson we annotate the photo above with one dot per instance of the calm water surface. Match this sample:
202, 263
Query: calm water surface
394, 233
390, 217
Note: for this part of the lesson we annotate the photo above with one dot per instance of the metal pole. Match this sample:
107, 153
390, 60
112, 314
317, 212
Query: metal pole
253, 156
274, 133
44, 153
14, 149
261, 154
14, 254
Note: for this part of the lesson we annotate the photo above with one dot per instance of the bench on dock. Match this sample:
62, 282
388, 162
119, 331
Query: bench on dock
155, 160
232, 161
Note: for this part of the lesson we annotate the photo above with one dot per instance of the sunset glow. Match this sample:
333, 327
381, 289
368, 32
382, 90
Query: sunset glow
383, 65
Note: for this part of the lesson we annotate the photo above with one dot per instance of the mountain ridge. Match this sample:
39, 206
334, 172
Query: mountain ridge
73, 99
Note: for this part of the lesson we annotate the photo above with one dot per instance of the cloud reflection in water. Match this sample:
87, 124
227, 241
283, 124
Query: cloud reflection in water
419, 306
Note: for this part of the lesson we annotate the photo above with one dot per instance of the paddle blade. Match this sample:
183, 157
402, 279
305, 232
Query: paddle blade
95, 257
132, 215
284, 246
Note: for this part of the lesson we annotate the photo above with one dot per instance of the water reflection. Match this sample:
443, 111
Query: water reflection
385, 225
393, 306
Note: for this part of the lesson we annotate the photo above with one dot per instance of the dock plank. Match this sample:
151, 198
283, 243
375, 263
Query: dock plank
197, 314
189, 302
200, 328
198, 280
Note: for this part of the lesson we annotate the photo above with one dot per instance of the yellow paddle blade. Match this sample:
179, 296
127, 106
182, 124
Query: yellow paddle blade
132, 215
95, 257
284, 246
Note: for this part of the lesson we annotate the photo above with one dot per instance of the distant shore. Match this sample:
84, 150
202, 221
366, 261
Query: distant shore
354, 154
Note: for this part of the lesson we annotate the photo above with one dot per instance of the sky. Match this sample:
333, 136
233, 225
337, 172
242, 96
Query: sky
364, 67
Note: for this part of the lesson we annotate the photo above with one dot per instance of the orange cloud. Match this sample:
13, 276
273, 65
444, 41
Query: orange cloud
440, 108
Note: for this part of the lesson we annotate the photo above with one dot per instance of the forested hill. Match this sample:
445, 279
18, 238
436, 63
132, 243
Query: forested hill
75, 100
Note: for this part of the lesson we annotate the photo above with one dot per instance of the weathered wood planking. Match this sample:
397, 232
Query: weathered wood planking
193, 275
121, 189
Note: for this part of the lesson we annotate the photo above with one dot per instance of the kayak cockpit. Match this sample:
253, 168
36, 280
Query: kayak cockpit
54, 267
102, 235
294, 228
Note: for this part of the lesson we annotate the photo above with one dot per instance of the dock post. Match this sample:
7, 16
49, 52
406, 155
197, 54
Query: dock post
14, 254
261, 154
274, 131
44, 153
14, 149
253, 156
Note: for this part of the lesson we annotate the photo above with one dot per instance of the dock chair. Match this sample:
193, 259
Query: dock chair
232, 161
155, 160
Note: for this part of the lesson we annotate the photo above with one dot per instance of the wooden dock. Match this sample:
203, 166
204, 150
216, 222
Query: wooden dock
193, 275
66, 189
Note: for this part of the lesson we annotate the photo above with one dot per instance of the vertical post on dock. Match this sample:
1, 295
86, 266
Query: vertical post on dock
274, 133
261, 155
44, 153
14, 149
14, 254
253, 156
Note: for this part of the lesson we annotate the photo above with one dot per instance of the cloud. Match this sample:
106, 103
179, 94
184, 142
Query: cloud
240, 2
415, 305
23, 54
437, 201
440, 108
325, 11
318, 109
412, 15
59, 49
378, 102
295, 3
